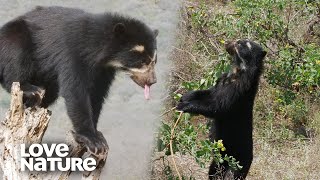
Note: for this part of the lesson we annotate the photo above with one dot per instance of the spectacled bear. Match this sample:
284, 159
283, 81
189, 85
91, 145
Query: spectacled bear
75, 54
230, 103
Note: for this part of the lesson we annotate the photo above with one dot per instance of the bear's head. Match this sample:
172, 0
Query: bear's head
136, 52
246, 54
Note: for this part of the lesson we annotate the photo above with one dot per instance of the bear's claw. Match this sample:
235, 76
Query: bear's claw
33, 97
96, 145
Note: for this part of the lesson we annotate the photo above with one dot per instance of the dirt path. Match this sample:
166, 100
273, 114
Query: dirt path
128, 121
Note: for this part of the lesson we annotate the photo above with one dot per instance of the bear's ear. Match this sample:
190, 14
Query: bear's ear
155, 32
119, 28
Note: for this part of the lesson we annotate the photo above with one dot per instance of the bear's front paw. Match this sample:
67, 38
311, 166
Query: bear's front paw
185, 107
33, 97
96, 144
194, 101
186, 103
189, 96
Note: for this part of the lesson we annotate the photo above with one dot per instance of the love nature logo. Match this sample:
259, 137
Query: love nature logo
44, 157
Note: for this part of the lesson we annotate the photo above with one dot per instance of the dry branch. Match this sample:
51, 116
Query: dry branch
27, 126
171, 150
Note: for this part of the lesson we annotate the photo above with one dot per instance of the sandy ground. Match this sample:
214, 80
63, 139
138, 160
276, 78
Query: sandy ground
128, 121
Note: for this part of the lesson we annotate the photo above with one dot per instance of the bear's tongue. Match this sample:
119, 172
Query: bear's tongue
146, 92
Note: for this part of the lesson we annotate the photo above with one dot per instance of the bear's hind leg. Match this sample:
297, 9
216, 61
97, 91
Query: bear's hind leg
242, 174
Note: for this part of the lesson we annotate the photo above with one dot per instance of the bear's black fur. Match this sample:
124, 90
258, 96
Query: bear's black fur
229, 103
75, 54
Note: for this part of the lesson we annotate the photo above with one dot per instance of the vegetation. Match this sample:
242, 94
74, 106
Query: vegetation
286, 114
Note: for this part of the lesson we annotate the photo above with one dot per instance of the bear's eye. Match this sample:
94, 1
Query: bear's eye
239, 43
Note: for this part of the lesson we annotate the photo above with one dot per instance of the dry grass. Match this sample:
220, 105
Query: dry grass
186, 165
290, 160
278, 153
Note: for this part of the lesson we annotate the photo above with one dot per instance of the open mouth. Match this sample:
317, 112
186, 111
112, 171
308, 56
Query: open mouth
142, 83
144, 77
147, 92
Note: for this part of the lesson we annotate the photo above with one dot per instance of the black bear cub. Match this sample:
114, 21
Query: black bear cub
229, 103
75, 54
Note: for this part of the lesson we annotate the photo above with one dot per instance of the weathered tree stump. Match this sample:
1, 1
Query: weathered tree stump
27, 126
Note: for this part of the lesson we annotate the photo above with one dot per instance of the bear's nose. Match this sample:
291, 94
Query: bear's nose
230, 47
152, 80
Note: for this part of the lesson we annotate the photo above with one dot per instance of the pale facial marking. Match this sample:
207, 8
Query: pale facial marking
115, 64
249, 45
243, 64
138, 48
143, 69
154, 56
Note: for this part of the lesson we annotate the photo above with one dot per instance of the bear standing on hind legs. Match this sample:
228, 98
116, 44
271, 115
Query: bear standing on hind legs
75, 54
230, 103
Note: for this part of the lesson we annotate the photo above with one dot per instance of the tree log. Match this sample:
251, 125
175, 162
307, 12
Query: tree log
27, 126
